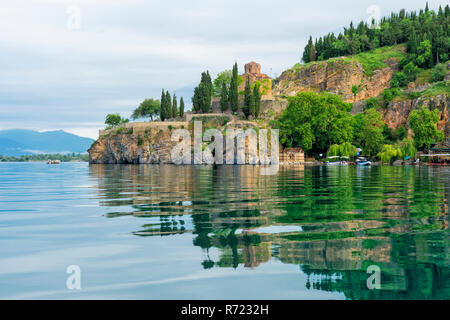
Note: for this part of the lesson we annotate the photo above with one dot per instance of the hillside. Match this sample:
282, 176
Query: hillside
19, 142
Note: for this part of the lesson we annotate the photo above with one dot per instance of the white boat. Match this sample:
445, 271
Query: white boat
53, 161
362, 161
339, 162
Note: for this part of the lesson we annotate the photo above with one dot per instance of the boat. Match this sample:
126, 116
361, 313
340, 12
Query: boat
339, 162
53, 161
362, 161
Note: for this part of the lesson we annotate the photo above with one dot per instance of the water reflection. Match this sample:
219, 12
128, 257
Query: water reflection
332, 222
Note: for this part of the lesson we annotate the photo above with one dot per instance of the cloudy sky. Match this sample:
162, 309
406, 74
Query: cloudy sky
66, 64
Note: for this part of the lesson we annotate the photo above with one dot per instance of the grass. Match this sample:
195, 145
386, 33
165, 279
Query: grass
374, 60
370, 60
424, 76
436, 89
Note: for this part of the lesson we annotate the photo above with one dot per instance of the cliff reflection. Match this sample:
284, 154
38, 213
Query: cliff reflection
332, 222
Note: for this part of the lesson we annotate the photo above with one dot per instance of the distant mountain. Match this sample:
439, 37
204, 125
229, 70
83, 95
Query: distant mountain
19, 142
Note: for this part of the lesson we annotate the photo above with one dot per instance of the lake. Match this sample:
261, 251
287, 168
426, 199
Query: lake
224, 232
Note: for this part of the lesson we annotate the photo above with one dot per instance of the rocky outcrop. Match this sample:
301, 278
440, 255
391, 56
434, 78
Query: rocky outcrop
397, 112
153, 145
340, 76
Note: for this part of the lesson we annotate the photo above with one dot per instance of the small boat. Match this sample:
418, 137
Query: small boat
339, 162
53, 161
362, 161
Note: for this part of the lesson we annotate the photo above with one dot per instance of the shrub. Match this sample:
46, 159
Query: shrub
439, 72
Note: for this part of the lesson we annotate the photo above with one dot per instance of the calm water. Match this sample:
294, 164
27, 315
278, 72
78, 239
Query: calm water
188, 232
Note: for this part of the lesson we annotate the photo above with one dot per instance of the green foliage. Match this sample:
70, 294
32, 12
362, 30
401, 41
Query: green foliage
426, 34
202, 94
233, 95
408, 147
372, 103
390, 153
174, 106
315, 121
257, 99
424, 55
222, 79
166, 106
345, 149
248, 99
148, 108
114, 120
423, 123
224, 97
181, 107
368, 129
439, 72
390, 94
399, 80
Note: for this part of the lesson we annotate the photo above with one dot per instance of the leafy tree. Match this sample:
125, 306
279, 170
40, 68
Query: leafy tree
315, 121
345, 149
181, 107
408, 147
147, 108
223, 78
233, 95
224, 97
439, 72
389, 153
114, 120
368, 128
425, 56
423, 123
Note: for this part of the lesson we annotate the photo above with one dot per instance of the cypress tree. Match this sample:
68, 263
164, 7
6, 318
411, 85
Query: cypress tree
233, 94
168, 105
163, 114
181, 107
174, 106
224, 97
247, 99
257, 100
312, 53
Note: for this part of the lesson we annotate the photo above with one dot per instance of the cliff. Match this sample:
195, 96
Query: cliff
354, 78
134, 143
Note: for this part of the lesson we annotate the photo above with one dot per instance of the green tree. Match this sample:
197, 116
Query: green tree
148, 108
223, 78
202, 94
423, 123
257, 99
114, 120
425, 56
368, 128
315, 121
169, 105
181, 107
247, 99
174, 106
439, 72
163, 111
233, 94
224, 97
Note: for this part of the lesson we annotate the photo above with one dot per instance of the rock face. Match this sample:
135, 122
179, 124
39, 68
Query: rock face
338, 76
150, 146
397, 112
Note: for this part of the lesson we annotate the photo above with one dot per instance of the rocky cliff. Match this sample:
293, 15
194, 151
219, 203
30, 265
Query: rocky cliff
352, 78
397, 113
127, 145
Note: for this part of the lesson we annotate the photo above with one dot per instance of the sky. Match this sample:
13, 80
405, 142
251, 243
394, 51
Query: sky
65, 64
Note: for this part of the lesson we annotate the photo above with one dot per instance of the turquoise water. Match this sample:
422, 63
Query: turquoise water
199, 232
